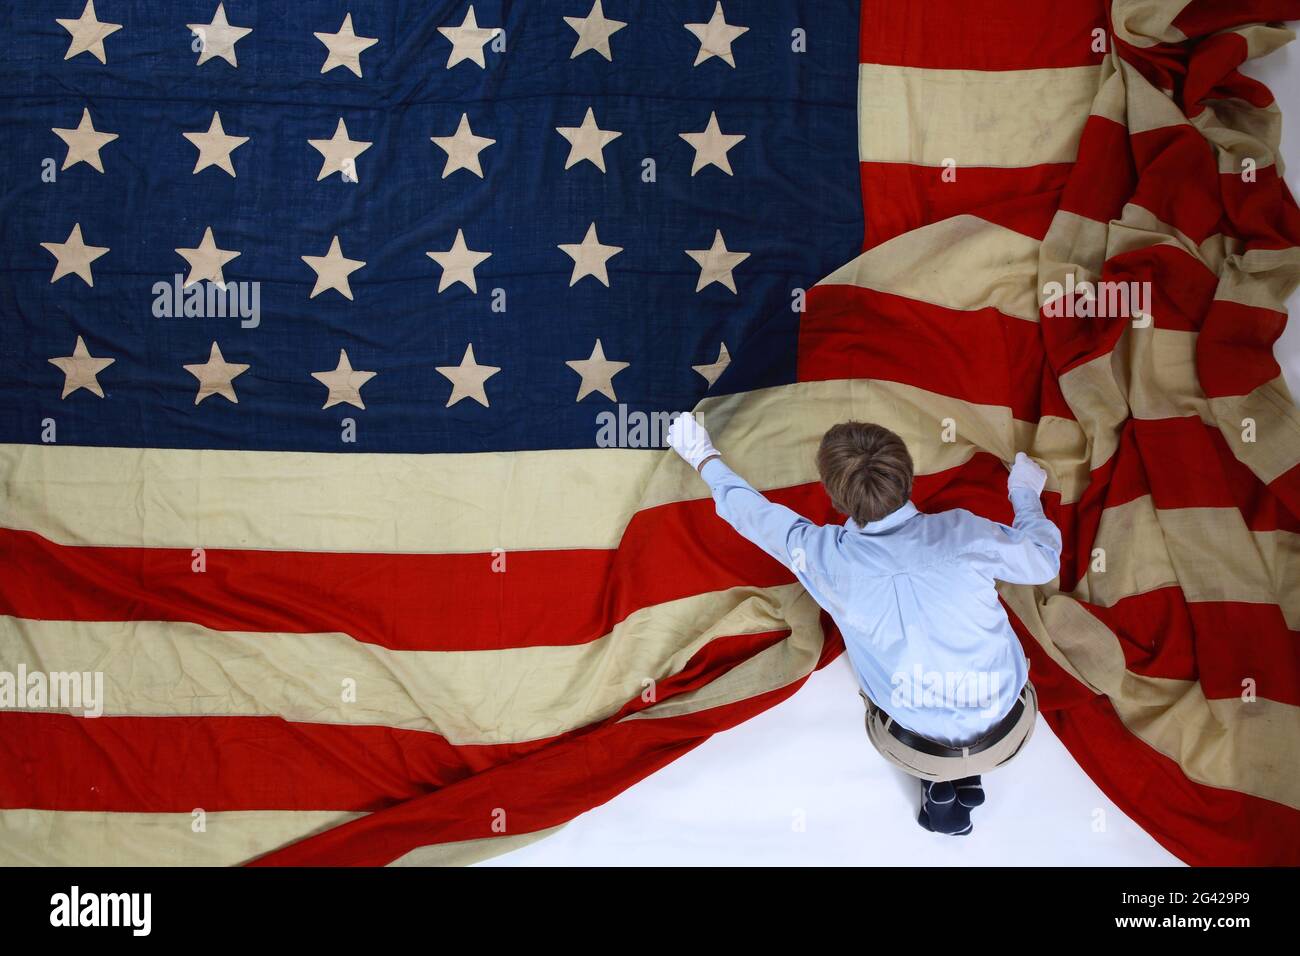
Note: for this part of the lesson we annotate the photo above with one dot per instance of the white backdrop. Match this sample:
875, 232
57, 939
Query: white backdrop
801, 785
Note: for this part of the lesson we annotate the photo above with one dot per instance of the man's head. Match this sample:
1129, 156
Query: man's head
866, 470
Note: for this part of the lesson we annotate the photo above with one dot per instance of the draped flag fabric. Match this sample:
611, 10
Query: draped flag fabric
337, 342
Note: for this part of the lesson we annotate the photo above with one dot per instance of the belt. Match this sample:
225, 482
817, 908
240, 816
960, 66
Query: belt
935, 749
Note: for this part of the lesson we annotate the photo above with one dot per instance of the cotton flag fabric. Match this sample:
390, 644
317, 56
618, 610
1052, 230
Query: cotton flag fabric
382, 567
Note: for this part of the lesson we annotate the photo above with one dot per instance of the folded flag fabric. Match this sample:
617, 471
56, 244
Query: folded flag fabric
340, 342
1079, 245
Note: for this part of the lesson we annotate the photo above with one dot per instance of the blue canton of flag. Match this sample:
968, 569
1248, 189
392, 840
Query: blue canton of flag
233, 225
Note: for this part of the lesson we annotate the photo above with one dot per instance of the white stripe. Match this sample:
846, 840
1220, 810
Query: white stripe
300, 501
1007, 118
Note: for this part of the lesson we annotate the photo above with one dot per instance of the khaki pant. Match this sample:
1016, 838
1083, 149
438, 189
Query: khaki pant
927, 767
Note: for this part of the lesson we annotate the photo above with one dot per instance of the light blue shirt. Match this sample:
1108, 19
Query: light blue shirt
913, 596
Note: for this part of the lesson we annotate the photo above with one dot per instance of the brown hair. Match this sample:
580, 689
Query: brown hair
866, 469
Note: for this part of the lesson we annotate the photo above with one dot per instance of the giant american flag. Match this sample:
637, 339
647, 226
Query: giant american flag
364, 576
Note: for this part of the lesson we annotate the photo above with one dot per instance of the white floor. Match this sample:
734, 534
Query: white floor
800, 784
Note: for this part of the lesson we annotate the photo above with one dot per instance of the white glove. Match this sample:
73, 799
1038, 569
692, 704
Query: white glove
687, 437
1026, 473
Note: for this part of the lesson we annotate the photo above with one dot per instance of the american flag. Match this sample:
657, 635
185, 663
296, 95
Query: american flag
338, 339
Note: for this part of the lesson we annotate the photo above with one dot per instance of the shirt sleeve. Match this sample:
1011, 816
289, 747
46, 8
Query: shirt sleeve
781, 532
1027, 552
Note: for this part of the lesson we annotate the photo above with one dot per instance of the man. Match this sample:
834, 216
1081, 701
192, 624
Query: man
943, 676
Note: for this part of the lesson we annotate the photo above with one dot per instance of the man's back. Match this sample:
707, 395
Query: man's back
914, 597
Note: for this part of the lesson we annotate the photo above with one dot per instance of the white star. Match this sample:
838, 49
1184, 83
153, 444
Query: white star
344, 383
467, 378
340, 154
332, 270
711, 145
206, 260
597, 373
587, 141
88, 33
462, 149
716, 263
458, 263
345, 47
590, 257
713, 371
218, 38
594, 32
216, 376
84, 143
715, 37
467, 40
215, 146
80, 370
74, 256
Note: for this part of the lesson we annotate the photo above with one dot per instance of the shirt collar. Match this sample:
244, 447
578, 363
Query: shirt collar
892, 520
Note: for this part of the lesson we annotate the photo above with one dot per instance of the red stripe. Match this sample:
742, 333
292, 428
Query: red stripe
1212, 75
400, 601
174, 764
1163, 65
1234, 352
1103, 175
979, 356
1269, 661
1178, 179
1180, 463
900, 197
1165, 635
1286, 487
1259, 210
981, 34
1181, 286
1188, 464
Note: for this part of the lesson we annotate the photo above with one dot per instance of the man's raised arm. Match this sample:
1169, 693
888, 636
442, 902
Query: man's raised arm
774, 528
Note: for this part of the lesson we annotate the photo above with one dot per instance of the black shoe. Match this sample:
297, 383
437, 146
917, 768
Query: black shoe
941, 812
970, 792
